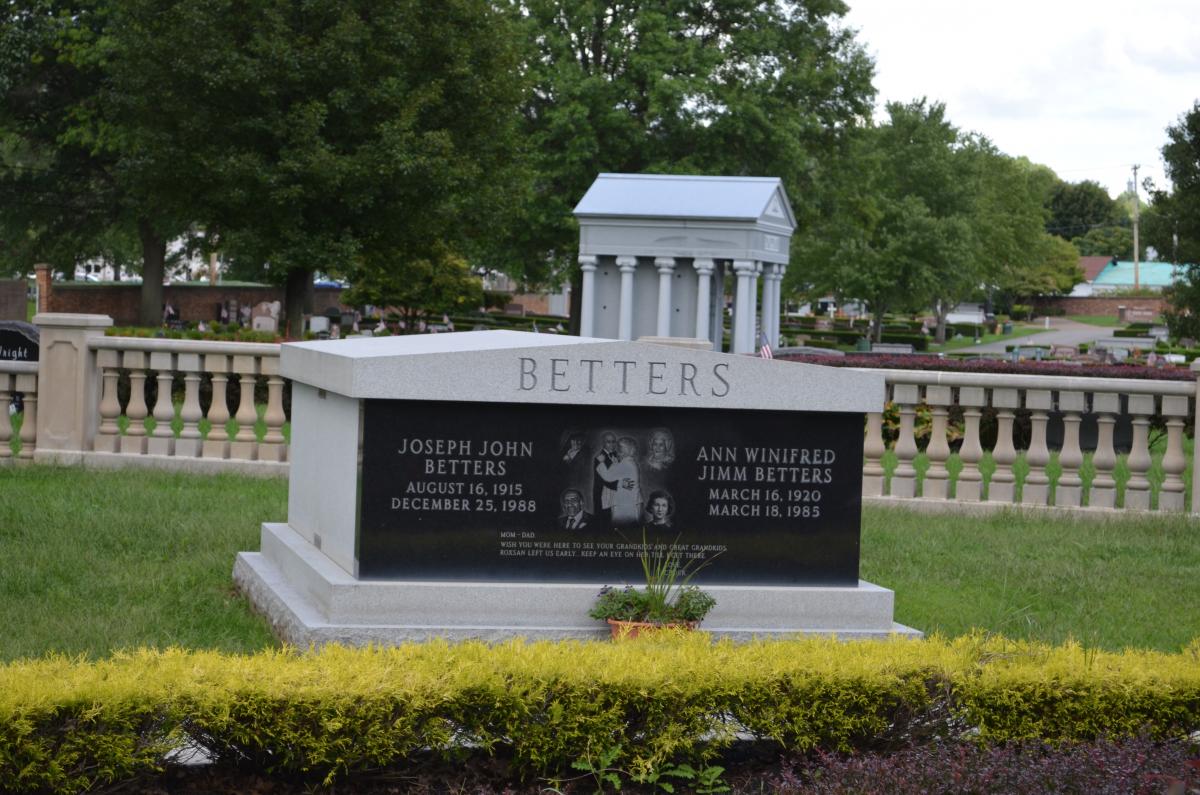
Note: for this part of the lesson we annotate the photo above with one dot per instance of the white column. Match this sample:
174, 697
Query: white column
777, 304
666, 272
771, 304
625, 316
743, 307
755, 314
704, 271
587, 302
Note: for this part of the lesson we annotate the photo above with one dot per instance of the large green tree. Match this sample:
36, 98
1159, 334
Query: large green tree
71, 174
344, 136
685, 86
1175, 221
897, 236
1077, 207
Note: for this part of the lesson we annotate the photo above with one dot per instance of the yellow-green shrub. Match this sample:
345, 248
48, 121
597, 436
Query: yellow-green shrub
69, 725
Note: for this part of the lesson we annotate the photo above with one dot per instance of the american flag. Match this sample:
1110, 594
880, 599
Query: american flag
764, 347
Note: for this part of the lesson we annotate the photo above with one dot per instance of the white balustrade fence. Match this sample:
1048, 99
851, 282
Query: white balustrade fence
73, 411
1071, 398
142, 360
18, 379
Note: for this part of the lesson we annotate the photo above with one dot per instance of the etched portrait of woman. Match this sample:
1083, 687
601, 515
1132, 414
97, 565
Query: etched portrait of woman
660, 509
661, 452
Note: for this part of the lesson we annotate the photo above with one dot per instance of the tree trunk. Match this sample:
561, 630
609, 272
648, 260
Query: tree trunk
877, 324
154, 257
297, 300
942, 311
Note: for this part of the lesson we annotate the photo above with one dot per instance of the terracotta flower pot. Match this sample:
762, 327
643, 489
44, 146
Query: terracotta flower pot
628, 630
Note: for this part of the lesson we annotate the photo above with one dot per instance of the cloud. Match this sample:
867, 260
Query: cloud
1087, 89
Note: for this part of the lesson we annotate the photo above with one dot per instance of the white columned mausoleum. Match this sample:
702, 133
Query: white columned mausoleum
655, 250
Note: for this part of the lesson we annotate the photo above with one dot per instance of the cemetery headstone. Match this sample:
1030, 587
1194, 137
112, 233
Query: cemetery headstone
486, 484
18, 341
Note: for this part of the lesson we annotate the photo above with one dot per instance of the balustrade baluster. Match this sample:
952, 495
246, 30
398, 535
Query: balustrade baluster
5, 417
244, 443
873, 450
1069, 490
1137, 489
904, 478
188, 443
134, 440
970, 480
1036, 490
216, 444
272, 447
1105, 405
1003, 484
108, 435
162, 441
937, 478
27, 385
1170, 496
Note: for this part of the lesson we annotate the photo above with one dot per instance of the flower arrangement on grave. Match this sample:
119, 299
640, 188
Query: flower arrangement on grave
668, 599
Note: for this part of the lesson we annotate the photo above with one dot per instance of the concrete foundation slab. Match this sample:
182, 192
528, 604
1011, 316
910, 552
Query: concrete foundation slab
311, 601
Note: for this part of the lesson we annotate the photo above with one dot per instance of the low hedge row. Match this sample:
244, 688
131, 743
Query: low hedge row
67, 725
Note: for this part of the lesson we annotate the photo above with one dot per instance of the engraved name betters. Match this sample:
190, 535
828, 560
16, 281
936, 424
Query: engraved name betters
648, 378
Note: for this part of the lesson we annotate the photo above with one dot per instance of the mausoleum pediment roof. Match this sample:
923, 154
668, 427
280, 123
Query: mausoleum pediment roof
755, 200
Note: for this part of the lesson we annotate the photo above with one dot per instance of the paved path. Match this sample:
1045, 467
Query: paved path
1062, 332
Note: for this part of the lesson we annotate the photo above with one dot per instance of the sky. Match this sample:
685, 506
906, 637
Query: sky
1086, 87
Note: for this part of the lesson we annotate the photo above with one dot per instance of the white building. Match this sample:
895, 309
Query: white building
655, 250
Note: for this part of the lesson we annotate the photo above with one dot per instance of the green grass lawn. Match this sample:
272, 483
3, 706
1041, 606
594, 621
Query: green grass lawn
1096, 320
969, 342
1130, 582
95, 561
92, 561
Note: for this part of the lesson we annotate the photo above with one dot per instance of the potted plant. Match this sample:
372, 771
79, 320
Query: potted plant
667, 600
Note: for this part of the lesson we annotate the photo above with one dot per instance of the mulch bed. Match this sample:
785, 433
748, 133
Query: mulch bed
1127, 766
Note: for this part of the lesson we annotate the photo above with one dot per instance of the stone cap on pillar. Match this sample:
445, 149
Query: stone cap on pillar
69, 320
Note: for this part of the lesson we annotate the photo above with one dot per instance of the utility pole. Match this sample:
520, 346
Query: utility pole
1136, 202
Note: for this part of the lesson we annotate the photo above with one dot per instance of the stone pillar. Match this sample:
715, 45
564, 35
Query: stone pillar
755, 315
743, 307
625, 315
1195, 507
666, 272
68, 383
777, 305
1170, 497
768, 291
587, 302
704, 271
937, 476
43, 278
904, 478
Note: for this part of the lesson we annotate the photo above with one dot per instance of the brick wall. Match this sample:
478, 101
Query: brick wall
12, 299
193, 302
1101, 305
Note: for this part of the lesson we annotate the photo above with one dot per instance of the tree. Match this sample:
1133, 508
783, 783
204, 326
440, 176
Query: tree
685, 86
70, 173
345, 136
1077, 207
899, 236
441, 283
1106, 241
1176, 218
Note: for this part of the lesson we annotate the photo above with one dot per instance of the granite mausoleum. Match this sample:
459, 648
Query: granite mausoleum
487, 484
